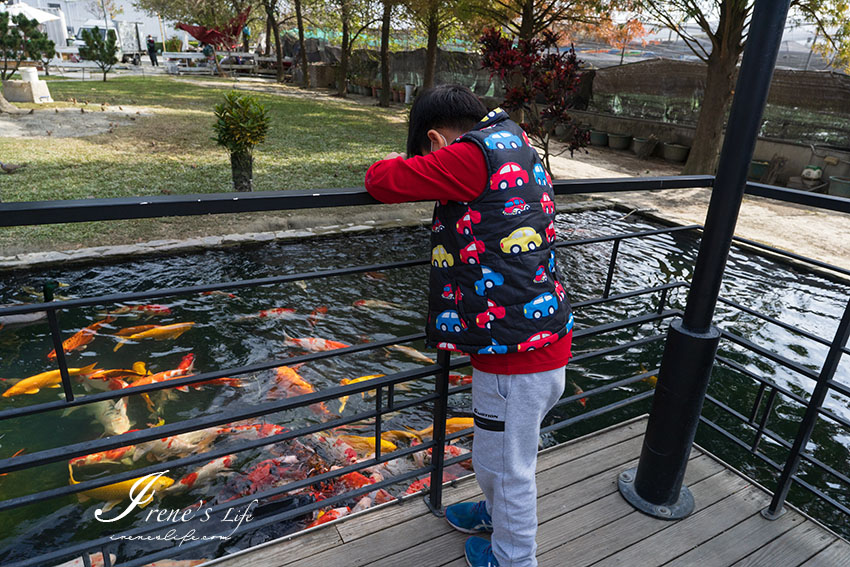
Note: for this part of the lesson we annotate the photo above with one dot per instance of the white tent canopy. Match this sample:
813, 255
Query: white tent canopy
32, 13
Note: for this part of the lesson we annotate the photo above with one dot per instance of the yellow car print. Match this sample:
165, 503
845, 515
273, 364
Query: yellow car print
521, 240
440, 258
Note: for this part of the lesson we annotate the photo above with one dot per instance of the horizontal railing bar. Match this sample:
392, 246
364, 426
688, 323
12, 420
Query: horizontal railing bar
211, 375
185, 290
817, 200
627, 295
605, 388
839, 387
616, 348
777, 322
617, 325
627, 235
778, 358
792, 255
618, 184
598, 411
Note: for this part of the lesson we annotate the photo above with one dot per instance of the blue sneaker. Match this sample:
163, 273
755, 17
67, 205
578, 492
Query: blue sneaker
479, 553
469, 517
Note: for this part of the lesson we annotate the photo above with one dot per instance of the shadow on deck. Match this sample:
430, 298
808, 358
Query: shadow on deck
583, 521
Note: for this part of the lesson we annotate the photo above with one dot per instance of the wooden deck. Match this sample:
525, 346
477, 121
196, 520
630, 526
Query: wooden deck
583, 521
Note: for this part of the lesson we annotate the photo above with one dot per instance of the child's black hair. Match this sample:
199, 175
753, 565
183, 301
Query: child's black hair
445, 106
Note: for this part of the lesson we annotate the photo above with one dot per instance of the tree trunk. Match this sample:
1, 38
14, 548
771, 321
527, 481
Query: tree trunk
526, 28
268, 48
242, 168
8, 107
305, 75
271, 23
708, 137
431, 52
342, 72
385, 54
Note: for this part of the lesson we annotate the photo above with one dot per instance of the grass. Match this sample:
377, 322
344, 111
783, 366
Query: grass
312, 143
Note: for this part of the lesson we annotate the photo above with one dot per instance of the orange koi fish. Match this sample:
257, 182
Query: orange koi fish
327, 516
460, 379
651, 380
277, 312
49, 379
290, 384
113, 494
577, 390
367, 444
111, 457
317, 314
158, 333
81, 338
253, 430
375, 276
15, 454
425, 483
313, 344
139, 370
150, 310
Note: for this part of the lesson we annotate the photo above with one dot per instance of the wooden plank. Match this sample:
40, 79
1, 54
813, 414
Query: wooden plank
795, 547
270, 554
738, 542
836, 555
634, 526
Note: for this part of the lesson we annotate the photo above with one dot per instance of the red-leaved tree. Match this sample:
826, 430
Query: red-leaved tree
540, 84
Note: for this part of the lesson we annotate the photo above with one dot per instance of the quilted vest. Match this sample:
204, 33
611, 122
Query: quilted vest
494, 285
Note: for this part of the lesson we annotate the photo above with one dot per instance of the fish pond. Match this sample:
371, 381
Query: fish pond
237, 328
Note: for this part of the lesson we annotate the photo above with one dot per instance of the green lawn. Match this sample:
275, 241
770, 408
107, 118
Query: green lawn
312, 143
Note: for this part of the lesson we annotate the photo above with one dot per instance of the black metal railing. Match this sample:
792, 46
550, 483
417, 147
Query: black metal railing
14, 214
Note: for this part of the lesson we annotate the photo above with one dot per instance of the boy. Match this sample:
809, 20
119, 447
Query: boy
494, 293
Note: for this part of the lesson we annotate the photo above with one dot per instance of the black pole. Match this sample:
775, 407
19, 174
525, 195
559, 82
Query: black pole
655, 486
58, 347
810, 418
434, 499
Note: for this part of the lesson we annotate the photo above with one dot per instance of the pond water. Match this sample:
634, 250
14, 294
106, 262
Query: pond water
227, 333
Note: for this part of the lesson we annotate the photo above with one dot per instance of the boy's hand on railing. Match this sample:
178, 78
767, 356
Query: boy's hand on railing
393, 155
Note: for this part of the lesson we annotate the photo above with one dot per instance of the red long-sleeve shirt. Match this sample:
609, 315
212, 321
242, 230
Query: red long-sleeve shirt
457, 173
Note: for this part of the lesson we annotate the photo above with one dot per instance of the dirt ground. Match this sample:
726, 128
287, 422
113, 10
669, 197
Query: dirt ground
76, 122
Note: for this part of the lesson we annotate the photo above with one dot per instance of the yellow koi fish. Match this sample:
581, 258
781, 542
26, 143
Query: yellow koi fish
50, 379
453, 425
114, 494
397, 435
367, 444
651, 380
158, 333
346, 381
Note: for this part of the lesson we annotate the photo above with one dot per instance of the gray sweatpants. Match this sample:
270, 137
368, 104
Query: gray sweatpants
508, 410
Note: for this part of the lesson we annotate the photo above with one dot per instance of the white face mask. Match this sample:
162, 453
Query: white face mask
445, 142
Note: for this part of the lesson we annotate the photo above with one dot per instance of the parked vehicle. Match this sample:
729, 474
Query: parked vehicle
128, 34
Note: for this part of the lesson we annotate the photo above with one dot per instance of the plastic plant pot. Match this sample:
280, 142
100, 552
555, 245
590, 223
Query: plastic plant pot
839, 186
598, 138
619, 141
757, 170
675, 152
640, 144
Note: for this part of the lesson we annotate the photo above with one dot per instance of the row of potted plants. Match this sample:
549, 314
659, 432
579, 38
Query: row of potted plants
670, 150
366, 87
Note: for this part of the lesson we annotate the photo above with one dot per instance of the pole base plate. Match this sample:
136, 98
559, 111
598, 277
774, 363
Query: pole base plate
680, 509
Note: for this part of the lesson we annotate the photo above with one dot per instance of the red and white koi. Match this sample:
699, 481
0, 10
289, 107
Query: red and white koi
150, 310
181, 445
111, 457
325, 516
314, 344
204, 475
317, 314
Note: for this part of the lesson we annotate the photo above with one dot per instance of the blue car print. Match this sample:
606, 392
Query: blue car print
543, 305
502, 141
489, 279
449, 322
552, 262
569, 326
540, 175
495, 348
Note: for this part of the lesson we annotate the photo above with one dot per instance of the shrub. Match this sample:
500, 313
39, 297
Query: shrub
241, 123
101, 51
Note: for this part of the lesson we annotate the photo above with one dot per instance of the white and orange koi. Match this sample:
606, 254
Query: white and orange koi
181, 445
376, 304
81, 338
150, 310
158, 333
253, 430
204, 475
314, 344
110, 457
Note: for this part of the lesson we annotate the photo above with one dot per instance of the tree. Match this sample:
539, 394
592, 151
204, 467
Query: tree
20, 39
621, 35
95, 8
273, 27
536, 71
434, 17
385, 53
527, 19
305, 74
726, 23
99, 49
214, 14
354, 14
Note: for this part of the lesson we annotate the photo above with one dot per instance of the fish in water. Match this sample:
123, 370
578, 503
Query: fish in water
376, 304
81, 338
221, 293
411, 353
49, 379
138, 371
289, 384
425, 483
324, 516
460, 379
127, 331
114, 494
397, 435
453, 425
276, 313
375, 276
95, 559
204, 475
182, 445
15, 454
111, 415
651, 380
577, 390
149, 310
346, 381
158, 333
317, 314
367, 444
111, 457
314, 344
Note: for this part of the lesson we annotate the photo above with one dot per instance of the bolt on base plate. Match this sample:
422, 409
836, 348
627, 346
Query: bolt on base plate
680, 509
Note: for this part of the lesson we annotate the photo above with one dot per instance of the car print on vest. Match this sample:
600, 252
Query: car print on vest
464, 225
559, 289
440, 258
469, 253
540, 175
489, 279
502, 141
550, 232
522, 239
540, 275
447, 346
491, 114
493, 312
515, 206
450, 322
495, 348
539, 340
543, 305
509, 175
437, 226
448, 292
547, 204
552, 262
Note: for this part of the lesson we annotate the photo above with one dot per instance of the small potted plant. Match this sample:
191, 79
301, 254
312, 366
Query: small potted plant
241, 123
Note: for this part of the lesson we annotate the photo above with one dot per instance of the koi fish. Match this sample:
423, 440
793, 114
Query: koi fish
346, 381
110, 457
411, 353
139, 370
367, 444
49, 379
112, 416
460, 379
425, 483
158, 333
219, 292
15, 454
355, 480
453, 425
204, 475
292, 384
127, 331
150, 310
181, 445
651, 380
317, 314
81, 338
276, 313
253, 430
397, 435
313, 344
577, 390
324, 517
95, 559
376, 304
113, 494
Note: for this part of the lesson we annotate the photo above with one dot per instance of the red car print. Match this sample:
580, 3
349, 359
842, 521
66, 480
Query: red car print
464, 225
437, 226
559, 290
446, 346
469, 254
525, 138
447, 291
515, 206
540, 340
510, 175
547, 204
550, 232
493, 312
540, 275
458, 295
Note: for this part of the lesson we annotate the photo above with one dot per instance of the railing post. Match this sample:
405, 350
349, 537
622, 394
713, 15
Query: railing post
434, 500
56, 335
810, 418
655, 486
